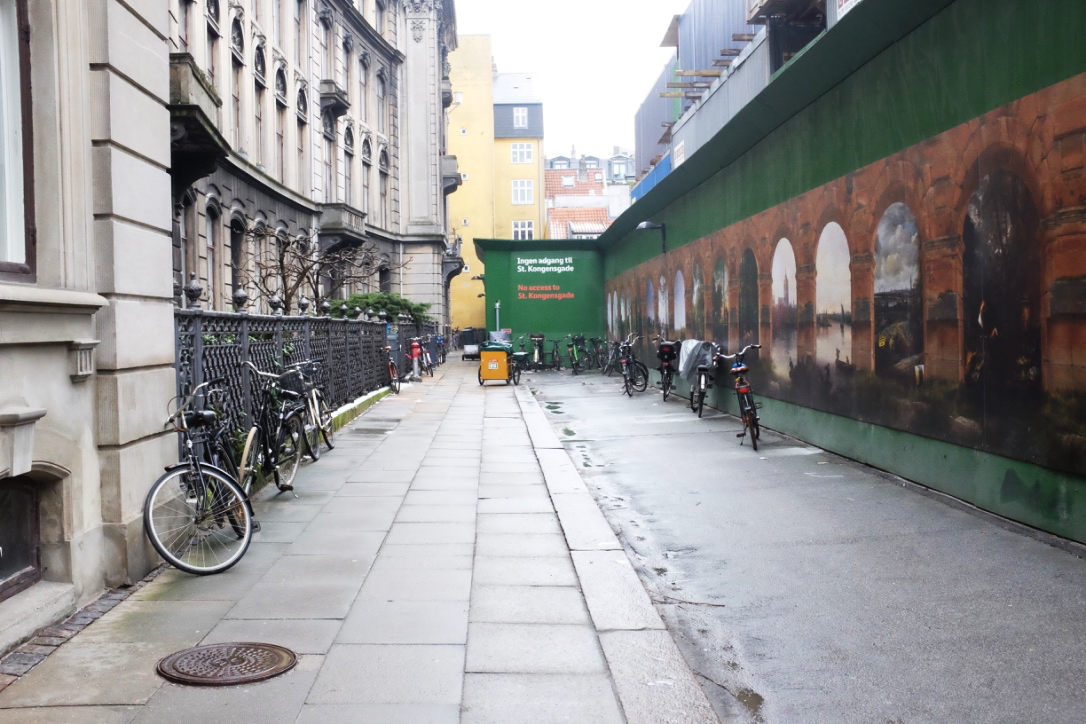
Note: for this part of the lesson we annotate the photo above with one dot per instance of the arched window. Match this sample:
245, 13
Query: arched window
348, 166
237, 254
363, 90
382, 101
382, 207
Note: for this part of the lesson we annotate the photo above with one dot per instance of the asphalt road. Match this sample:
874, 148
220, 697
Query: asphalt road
803, 587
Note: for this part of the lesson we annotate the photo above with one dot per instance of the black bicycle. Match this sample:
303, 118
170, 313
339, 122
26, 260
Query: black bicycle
316, 411
706, 376
556, 356
748, 408
635, 376
196, 515
666, 352
578, 357
273, 445
393, 371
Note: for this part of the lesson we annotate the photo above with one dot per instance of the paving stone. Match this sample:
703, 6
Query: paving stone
58, 632
498, 544
383, 713
441, 497
300, 636
539, 699
653, 680
405, 622
318, 586
436, 482
380, 674
74, 714
436, 514
19, 662
506, 490
81, 673
47, 640
366, 475
182, 623
32, 648
431, 533
613, 591
6, 679
533, 649
381, 489
519, 523
528, 604
524, 571
417, 585
426, 551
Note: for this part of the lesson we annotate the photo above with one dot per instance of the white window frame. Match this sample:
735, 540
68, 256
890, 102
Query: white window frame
523, 230
523, 192
12, 212
520, 117
523, 152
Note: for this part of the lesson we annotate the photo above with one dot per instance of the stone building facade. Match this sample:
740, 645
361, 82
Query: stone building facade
142, 143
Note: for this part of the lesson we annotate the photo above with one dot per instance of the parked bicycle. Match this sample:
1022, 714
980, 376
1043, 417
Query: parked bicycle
748, 408
706, 377
556, 356
538, 353
578, 357
666, 352
393, 371
635, 376
196, 515
273, 445
610, 365
597, 352
317, 413
442, 352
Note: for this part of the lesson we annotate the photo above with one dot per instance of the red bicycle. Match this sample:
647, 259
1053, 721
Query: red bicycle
748, 408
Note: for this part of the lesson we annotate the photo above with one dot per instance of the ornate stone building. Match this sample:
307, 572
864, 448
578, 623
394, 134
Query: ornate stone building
142, 144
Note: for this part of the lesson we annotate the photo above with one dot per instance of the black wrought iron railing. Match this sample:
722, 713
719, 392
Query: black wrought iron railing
217, 344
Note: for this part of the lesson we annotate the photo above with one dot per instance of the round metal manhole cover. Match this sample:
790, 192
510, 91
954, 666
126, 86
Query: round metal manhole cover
227, 664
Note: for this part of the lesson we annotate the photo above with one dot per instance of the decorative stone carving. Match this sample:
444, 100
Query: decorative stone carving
348, 41
364, 56
418, 29
419, 6
325, 13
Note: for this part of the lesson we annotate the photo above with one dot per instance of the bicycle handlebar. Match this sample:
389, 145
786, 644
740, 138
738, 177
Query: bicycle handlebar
742, 352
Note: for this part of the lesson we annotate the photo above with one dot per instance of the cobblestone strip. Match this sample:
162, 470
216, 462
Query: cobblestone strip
49, 639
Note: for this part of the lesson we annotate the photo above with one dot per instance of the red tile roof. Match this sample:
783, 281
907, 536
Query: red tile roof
559, 220
552, 183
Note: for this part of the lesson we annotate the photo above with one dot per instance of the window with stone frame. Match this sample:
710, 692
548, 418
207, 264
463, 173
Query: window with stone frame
382, 102
363, 90
348, 166
299, 33
20, 535
17, 248
382, 208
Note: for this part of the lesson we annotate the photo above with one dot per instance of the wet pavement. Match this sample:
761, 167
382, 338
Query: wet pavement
802, 587
445, 563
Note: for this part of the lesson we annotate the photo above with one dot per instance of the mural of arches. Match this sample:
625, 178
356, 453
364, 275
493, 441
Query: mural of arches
899, 322
697, 297
1001, 287
720, 302
662, 305
680, 305
784, 352
650, 304
833, 299
748, 299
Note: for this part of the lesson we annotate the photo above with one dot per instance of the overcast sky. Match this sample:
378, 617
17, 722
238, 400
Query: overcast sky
594, 61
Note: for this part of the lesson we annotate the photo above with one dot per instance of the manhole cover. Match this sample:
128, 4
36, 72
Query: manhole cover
226, 664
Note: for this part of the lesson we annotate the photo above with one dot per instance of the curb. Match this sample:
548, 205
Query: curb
653, 681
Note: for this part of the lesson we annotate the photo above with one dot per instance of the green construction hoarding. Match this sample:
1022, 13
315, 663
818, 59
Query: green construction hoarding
543, 286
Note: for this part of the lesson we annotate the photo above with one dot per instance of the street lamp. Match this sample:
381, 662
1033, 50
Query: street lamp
663, 232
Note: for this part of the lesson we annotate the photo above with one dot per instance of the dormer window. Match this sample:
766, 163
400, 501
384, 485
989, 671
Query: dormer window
567, 182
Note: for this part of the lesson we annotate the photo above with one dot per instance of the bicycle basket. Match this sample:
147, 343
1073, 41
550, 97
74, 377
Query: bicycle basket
667, 352
578, 339
539, 337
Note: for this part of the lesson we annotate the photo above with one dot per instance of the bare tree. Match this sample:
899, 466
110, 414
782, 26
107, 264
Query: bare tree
289, 268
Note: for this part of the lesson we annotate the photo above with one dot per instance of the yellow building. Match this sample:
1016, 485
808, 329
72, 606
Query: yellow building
496, 134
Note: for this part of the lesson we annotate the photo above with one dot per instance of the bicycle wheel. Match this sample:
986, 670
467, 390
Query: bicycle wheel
750, 419
429, 366
289, 452
312, 431
699, 390
327, 423
665, 382
197, 525
639, 376
516, 375
627, 386
253, 474
393, 377
756, 424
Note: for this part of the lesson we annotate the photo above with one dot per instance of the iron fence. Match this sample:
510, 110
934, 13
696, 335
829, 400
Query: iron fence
217, 344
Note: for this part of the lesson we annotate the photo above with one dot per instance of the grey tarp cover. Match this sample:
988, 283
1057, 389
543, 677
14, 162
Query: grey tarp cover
693, 353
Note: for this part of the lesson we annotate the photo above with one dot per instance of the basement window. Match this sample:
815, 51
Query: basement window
20, 537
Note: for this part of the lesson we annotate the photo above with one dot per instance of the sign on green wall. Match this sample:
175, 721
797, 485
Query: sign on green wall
549, 287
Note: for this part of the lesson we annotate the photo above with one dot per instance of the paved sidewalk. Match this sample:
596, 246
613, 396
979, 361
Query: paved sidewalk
445, 563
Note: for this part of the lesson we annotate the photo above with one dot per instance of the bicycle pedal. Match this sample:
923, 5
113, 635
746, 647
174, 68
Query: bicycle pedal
741, 434
256, 526
285, 488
